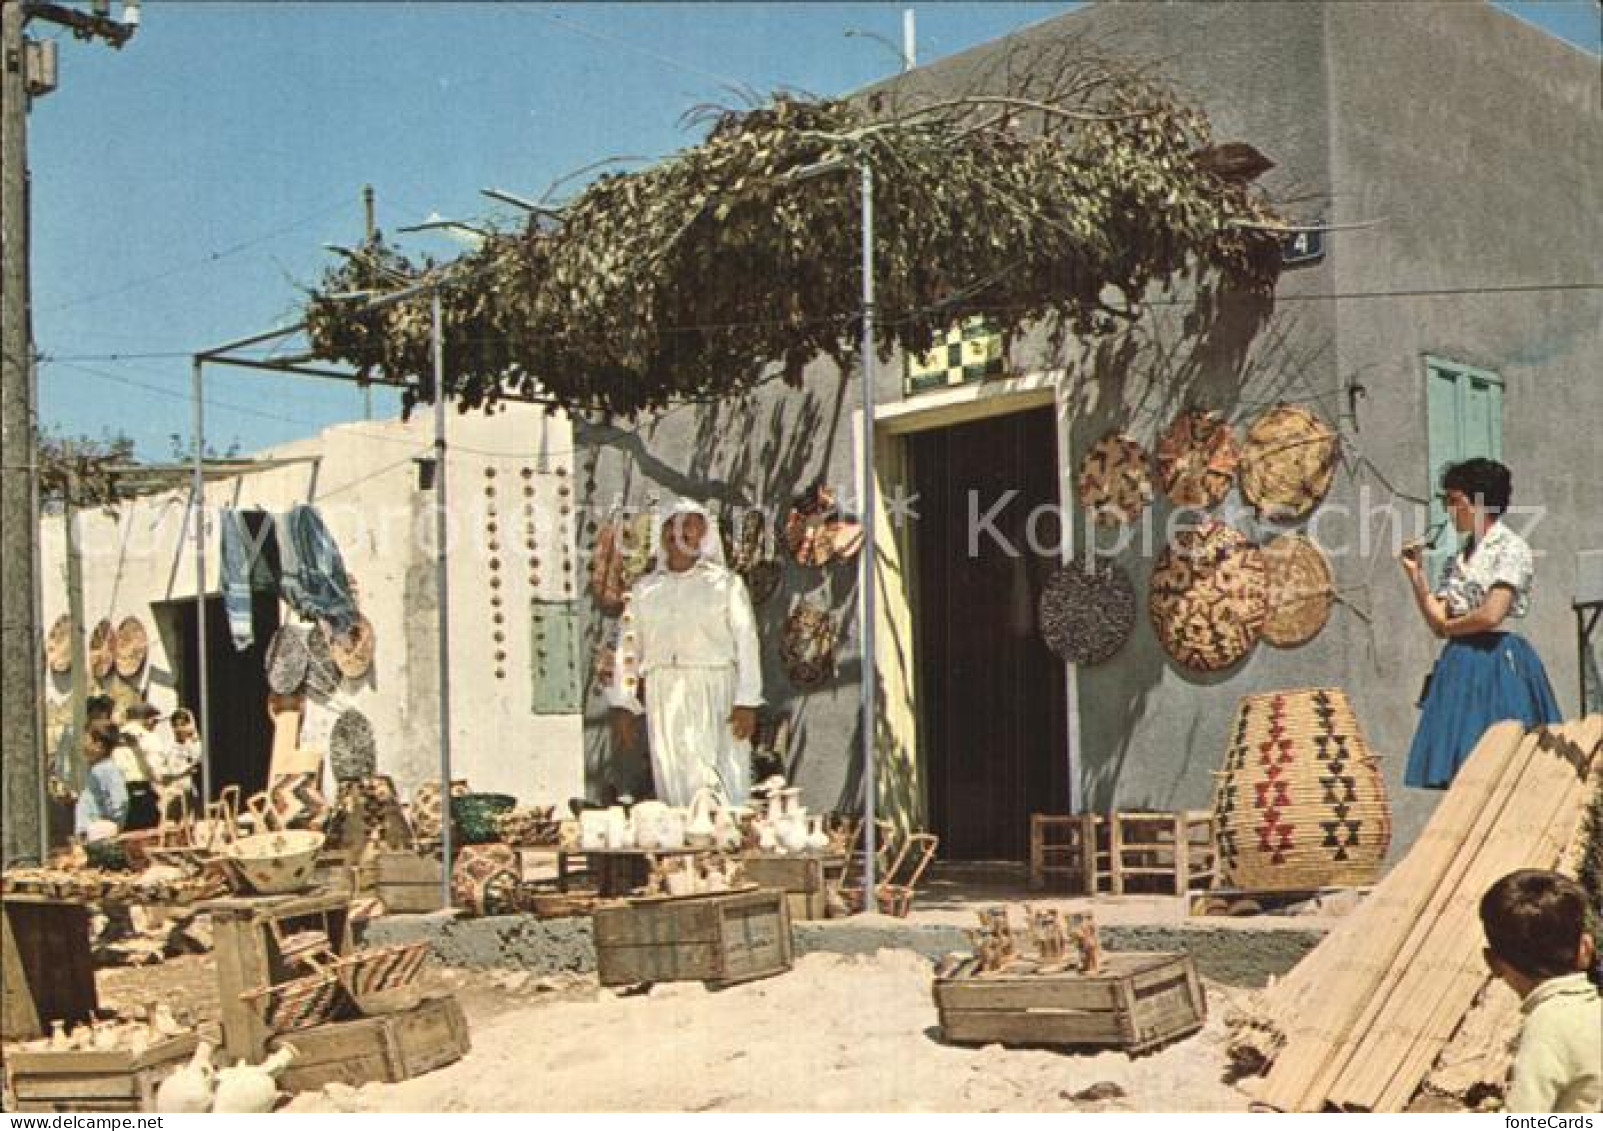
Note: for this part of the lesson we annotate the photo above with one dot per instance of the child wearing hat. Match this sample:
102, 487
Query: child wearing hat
1539, 943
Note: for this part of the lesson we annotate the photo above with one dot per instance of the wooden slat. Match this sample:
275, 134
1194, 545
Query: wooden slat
1439, 988
1065, 1027
47, 1063
963, 994
1326, 994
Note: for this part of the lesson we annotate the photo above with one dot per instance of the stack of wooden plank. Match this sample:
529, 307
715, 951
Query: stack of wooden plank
1362, 1019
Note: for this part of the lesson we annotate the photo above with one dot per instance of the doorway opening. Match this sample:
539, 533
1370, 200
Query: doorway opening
993, 715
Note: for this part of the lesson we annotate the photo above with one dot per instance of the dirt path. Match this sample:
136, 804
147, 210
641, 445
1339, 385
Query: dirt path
837, 1033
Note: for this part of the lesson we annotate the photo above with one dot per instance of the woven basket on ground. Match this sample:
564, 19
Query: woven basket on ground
299, 1003
1209, 596
1301, 590
474, 816
1301, 802
1087, 612
485, 879
1115, 479
1197, 458
427, 811
1287, 462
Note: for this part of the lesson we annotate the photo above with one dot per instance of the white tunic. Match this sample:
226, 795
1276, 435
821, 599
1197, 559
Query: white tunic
691, 637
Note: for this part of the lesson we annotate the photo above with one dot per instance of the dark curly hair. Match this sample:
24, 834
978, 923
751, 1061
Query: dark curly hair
1483, 481
1534, 920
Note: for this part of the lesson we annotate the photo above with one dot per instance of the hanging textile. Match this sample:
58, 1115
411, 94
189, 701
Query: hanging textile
314, 580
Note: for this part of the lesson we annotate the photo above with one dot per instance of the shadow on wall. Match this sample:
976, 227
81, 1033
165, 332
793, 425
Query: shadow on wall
757, 451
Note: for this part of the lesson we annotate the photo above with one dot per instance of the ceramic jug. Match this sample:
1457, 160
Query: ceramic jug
593, 829
817, 838
701, 830
251, 1089
188, 1091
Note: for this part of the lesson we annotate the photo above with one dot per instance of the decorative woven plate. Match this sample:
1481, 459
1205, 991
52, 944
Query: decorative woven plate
102, 649
1301, 590
1087, 613
1197, 458
1287, 462
352, 752
286, 660
1115, 479
807, 645
58, 645
131, 647
322, 673
353, 649
1209, 596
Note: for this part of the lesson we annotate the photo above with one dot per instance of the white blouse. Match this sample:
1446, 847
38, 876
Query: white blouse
1501, 558
700, 618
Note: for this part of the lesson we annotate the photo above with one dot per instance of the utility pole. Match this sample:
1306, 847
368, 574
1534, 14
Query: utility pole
372, 234
27, 70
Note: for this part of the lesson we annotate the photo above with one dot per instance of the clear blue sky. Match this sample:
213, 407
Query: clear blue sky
184, 187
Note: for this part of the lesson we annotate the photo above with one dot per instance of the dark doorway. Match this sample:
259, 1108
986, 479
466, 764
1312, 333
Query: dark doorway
240, 734
993, 714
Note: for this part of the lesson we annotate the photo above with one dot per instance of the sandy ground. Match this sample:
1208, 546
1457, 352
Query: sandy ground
837, 1033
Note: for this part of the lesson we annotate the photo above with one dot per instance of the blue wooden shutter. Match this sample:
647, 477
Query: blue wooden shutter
1464, 417
554, 657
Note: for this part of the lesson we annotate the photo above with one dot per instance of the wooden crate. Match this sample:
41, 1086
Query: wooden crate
407, 883
718, 939
244, 929
95, 1081
47, 971
1138, 1002
803, 879
387, 1049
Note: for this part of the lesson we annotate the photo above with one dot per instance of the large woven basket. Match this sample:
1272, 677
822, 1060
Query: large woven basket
1301, 802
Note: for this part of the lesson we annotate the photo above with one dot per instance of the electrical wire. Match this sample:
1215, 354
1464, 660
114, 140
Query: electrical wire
193, 265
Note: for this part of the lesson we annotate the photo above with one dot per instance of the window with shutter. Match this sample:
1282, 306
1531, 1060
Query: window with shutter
1464, 411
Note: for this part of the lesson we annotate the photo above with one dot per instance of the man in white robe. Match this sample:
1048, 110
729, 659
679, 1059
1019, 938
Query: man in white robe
689, 662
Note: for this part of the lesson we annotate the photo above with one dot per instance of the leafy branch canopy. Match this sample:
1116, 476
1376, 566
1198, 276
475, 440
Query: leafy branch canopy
1055, 204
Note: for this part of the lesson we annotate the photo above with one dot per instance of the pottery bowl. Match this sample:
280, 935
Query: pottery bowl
274, 863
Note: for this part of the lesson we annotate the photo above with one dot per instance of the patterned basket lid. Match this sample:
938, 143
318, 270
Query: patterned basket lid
1197, 458
1287, 462
1087, 612
352, 750
287, 659
322, 673
353, 649
1115, 479
1209, 596
131, 647
58, 645
1301, 590
102, 649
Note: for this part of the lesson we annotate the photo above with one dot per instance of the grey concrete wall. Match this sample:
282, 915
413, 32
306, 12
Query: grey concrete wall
1474, 139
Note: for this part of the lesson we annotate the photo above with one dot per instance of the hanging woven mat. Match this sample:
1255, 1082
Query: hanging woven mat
287, 659
58, 645
1087, 612
1197, 458
131, 647
1209, 596
1287, 462
1301, 590
353, 649
102, 649
1115, 479
352, 751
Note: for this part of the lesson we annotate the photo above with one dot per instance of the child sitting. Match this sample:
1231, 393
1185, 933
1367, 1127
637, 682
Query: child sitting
103, 803
1538, 942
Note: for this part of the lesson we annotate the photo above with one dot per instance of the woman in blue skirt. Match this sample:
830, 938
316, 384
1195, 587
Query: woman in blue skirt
1486, 673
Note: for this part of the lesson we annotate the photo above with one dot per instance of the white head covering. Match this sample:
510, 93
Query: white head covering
712, 546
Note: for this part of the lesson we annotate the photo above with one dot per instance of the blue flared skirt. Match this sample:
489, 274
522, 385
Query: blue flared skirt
1478, 680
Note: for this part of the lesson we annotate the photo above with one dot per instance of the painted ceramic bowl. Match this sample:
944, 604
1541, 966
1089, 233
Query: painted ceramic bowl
274, 863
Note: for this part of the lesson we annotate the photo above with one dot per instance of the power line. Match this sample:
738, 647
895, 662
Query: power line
644, 52
193, 265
